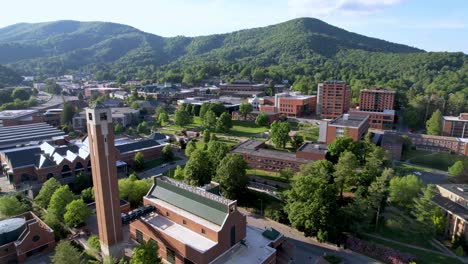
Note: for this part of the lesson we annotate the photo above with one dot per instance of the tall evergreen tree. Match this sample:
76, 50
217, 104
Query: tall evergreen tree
434, 124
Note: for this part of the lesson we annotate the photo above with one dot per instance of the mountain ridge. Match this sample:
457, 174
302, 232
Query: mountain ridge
70, 45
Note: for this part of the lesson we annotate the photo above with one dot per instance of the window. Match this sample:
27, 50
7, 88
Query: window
203, 231
36, 238
170, 255
103, 116
167, 214
90, 116
139, 236
184, 222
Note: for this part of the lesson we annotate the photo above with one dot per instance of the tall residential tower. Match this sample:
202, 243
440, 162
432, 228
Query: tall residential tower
106, 191
333, 99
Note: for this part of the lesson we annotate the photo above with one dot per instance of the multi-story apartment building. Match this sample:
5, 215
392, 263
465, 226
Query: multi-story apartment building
289, 104
333, 99
347, 125
376, 100
258, 156
378, 120
455, 126
453, 199
194, 225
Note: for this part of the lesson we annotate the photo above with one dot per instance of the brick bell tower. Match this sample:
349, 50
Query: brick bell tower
102, 154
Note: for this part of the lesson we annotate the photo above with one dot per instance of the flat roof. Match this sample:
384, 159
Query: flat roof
314, 148
256, 249
16, 135
180, 233
251, 147
458, 189
362, 112
349, 120
377, 90
454, 118
12, 114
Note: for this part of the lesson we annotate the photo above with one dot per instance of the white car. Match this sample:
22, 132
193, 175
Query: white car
417, 173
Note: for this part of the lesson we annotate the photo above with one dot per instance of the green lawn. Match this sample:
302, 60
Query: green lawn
405, 168
155, 163
246, 129
421, 255
257, 201
274, 176
440, 161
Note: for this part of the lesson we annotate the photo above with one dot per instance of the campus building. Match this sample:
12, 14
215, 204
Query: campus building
378, 120
193, 225
455, 126
242, 89
23, 236
289, 104
259, 157
453, 199
31, 166
27, 135
333, 99
126, 116
19, 117
347, 125
376, 100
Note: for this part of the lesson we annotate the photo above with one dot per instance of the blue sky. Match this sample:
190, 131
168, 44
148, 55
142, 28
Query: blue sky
433, 25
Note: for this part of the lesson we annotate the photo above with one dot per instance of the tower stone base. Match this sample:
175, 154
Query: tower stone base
115, 251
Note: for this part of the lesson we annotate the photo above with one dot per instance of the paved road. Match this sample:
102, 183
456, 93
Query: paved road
161, 169
307, 250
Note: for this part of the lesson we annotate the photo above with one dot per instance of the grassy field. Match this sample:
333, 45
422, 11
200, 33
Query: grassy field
256, 201
405, 168
246, 129
421, 255
440, 161
274, 176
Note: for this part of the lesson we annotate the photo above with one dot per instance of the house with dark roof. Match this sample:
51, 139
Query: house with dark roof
193, 225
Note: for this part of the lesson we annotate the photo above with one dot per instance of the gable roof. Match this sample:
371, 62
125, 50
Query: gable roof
142, 144
191, 199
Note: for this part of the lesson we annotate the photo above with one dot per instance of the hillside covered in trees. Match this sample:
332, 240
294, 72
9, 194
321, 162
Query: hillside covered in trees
8, 77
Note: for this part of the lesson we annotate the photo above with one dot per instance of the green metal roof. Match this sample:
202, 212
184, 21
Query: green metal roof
271, 233
192, 202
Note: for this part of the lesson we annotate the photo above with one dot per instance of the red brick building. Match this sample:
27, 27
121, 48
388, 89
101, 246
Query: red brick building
192, 225
289, 104
455, 126
23, 236
252, 116
19, 117
347, 125
242, 88
258, 156
333, 99
378, 120
376, 100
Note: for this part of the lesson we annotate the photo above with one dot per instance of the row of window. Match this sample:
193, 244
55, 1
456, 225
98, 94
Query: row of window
184, 222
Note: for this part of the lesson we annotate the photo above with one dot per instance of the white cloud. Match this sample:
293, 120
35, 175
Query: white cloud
324, 8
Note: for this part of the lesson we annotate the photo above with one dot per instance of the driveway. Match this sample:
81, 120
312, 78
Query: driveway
306, 249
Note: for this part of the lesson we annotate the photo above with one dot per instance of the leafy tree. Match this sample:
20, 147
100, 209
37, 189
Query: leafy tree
345, 171
52, 88
198, 169
167, 153
133, 190
311, 205
286, 173
135, 105
94, 243
245, 109
142, 128
20, 93
433, 125
224, 123
217, 151
147, 252
377, 194
59, 200
262, 119
217, 108
279, 133
179, 173
203, 109
76, 213
206, 136
411, 118
457, 168
209, 120
11, 206
231, 175
297, 141
163, 118
67, 114
424, 210
374, 165
87, 195
81, 182
118, 128
182, 118
139, 161
190, 148
340, 145
65, 252
46, 192
321, 168
403, 190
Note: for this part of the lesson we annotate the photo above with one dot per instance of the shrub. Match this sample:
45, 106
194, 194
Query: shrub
383, 253
94, 243
333, 259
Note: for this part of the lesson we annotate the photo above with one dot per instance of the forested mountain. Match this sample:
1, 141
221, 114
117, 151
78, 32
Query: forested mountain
55, 47
8, 77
